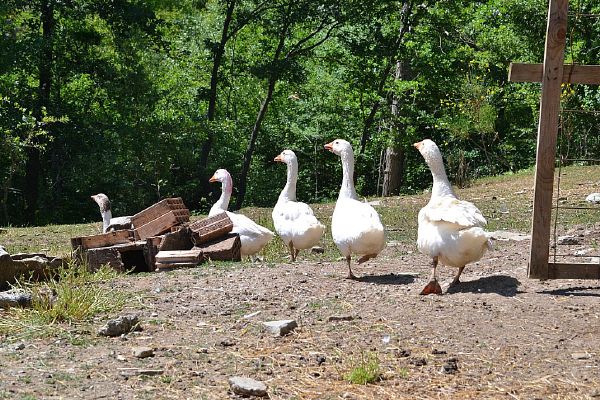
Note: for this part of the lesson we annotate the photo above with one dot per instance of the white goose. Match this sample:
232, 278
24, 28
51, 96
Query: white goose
108, 222
253, 237
294, 221
355, 225
450, 230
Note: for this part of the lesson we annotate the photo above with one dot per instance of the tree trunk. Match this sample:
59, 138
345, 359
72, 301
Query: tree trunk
393, 172
250, 150
33, 164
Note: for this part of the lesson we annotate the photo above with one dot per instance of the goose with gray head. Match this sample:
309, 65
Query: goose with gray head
355, 225
108, 222
450, 230
294, 221
253, 237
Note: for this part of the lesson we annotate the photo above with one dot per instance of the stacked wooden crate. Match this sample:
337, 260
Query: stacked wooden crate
159, 218
212, 241
161, 238
133, 248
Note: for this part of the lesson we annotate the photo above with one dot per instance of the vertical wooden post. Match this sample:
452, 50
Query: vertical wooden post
546, 141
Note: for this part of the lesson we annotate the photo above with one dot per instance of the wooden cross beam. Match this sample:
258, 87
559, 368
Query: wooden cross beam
552, 73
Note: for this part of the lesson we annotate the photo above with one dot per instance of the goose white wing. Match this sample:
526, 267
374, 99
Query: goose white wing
454, 211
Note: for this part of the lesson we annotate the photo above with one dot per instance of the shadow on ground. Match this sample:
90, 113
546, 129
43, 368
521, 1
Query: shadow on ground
503, 285
586, 291
388, 279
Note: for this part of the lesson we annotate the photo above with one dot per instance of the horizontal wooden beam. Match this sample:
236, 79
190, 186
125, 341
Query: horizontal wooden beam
586, 74
573, 271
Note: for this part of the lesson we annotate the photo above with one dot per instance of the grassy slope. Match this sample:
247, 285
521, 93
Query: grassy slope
506, 202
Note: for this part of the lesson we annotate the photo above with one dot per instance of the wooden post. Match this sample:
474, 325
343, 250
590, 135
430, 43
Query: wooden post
547, 134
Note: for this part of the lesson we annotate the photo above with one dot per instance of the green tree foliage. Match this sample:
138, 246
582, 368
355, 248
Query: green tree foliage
145, 99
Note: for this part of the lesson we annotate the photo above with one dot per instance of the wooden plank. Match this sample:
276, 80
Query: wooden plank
178, 240
102, 240
546, 141
179, 256
223, 249
95, 258
573, 271
150, 214
166, 267
586, 74
210, 228
150, 251
153, 228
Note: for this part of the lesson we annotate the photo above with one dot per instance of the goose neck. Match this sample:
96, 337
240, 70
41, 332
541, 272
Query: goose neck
226, 189
106, 217
347, 190
441, 184
289, 191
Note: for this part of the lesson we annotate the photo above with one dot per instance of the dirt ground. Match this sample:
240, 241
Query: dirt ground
510, 337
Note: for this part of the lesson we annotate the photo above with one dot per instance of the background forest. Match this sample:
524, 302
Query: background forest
143, 100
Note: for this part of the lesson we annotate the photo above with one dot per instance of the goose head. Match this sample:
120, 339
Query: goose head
286, 156
102, 200
430, 151
220, 175
339, 147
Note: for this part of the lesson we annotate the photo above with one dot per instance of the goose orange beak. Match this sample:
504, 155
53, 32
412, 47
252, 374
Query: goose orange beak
329, 146
418, 145
213, 179
278, 158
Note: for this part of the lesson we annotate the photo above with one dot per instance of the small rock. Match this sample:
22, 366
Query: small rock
419, 362
15, 298
143, 352
281, 328
117, 327
450, 367
247, 386
227, 342
335, 318
202, 350
317, 250
18, 347
568, 240
593, 198
438, 352
581, 356
403, 353
320, 359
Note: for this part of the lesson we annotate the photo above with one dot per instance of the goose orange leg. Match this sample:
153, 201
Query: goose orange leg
433, 287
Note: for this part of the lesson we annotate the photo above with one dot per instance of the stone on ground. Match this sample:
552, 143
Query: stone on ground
282, 327
117, 327
247, 386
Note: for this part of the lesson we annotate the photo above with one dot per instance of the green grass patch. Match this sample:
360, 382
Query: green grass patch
364, 370
73, 295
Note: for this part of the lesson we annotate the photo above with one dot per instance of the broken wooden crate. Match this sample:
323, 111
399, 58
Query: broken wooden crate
211, 239
162, 239
159, 218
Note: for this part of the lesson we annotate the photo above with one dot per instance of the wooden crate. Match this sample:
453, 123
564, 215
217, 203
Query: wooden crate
162, 207
102, 240
160, 218
210, 228
226, 248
